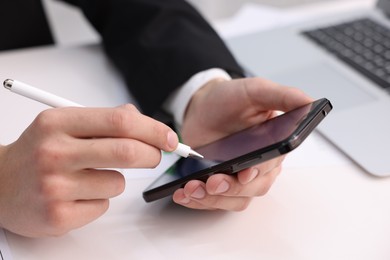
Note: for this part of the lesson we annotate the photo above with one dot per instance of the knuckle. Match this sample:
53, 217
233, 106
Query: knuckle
47, 120
125, 151
118, 119
52, 187
159, 129
57, 218
49, 155
121, 117
131, 152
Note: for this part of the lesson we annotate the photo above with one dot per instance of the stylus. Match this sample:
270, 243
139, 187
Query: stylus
52, 100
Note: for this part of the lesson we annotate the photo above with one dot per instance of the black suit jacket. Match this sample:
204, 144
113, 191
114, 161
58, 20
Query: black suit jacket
23, 24
156, 44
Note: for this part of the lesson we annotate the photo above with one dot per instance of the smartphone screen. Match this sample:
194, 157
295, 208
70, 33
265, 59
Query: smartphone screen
243, 149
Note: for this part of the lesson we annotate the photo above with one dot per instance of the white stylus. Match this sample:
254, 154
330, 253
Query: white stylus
52, 100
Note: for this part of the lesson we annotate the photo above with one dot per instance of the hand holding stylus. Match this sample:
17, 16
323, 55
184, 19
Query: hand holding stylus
59, 174
52, 100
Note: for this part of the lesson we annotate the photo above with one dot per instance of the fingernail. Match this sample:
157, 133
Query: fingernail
222, 187
172, 140
254, 173
185, 200
199, 193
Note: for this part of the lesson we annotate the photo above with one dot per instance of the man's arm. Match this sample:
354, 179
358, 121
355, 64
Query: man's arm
157, 45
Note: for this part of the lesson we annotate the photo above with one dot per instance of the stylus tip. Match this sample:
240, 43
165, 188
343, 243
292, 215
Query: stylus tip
195, 154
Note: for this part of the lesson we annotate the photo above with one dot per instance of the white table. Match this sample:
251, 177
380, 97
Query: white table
321, 207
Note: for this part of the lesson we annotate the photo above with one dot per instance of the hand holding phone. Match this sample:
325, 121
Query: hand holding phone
249, 147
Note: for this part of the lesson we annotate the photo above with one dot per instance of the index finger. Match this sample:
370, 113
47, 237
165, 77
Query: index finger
121, 122
273, 96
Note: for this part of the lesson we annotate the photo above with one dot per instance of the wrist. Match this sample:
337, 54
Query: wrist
201, 108
178, 102
201, 93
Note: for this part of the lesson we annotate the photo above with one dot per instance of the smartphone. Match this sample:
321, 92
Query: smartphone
241, 150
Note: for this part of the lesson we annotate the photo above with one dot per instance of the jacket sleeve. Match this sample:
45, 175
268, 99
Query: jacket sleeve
156, 44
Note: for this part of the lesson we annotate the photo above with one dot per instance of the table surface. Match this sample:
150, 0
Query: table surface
322, 206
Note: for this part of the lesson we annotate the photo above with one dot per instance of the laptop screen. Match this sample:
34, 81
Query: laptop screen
384, 5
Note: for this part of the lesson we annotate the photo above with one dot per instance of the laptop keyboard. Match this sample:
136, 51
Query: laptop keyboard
363, 44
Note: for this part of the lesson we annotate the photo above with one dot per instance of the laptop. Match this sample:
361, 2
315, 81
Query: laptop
345, 58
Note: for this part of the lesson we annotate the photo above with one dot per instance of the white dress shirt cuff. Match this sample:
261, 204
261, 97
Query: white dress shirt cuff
177, 103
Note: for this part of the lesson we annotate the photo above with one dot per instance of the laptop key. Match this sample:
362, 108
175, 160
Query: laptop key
363, 44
